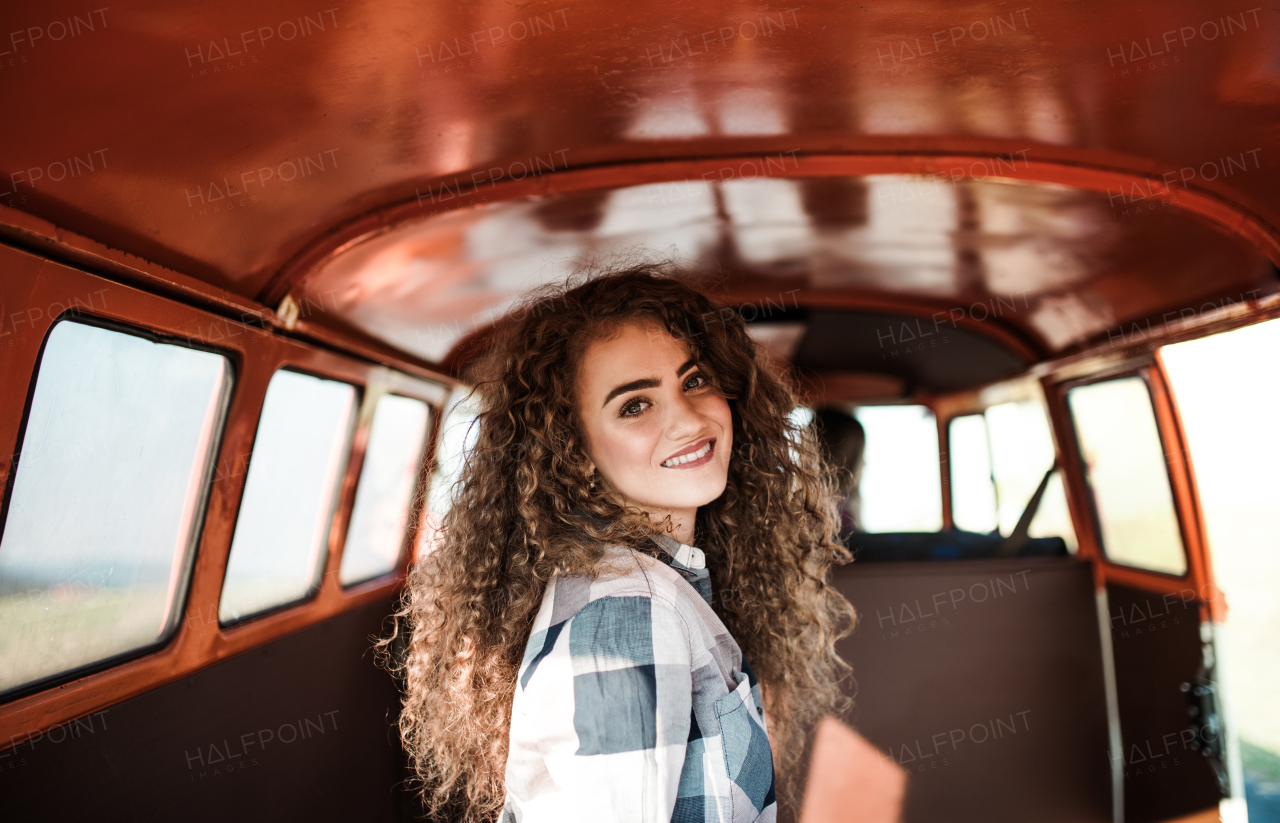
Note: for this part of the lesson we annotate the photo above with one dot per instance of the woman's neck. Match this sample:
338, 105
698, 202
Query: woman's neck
683, 522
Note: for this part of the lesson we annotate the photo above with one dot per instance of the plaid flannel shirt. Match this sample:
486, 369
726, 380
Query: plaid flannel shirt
635, 705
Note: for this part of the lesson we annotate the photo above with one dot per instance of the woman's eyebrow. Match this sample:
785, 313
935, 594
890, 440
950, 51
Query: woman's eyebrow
644, 383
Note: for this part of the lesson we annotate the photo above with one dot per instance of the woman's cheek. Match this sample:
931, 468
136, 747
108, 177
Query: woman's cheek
632, 451
718, 410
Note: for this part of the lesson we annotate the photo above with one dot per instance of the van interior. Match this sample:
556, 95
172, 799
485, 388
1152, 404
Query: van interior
248, 250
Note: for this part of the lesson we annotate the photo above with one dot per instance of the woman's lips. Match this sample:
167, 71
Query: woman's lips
706, 451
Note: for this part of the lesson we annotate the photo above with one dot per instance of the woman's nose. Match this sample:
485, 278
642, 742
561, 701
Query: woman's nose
684, 419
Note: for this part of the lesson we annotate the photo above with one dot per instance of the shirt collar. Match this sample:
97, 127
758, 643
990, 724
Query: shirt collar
690, 557
689, 561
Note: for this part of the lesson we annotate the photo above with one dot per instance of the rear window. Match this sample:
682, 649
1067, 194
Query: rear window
1128, 475
901, 486
107, 499
279, 548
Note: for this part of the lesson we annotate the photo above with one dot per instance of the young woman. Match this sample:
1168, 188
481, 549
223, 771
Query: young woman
637, 519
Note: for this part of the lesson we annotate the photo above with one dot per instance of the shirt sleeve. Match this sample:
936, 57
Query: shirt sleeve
618, 695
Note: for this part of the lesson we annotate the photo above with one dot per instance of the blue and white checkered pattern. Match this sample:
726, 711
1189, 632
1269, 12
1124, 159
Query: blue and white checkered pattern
635, 705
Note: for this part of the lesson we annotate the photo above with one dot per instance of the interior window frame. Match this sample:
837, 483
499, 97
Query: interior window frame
327, 546
1144, 373
173, 620
408, 540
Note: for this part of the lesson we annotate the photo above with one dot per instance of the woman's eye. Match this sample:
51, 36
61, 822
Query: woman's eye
695, 381
633, 407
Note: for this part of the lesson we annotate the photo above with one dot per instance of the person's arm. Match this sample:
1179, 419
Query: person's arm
609, 714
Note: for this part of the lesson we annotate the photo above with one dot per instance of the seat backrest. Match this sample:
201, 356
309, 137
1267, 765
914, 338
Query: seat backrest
946, 545
984, 680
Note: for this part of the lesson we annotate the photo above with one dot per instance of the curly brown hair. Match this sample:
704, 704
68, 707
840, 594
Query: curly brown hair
524, 510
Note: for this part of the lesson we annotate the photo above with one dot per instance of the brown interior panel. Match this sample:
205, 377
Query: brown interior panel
298, 729
1156, 642
984, 680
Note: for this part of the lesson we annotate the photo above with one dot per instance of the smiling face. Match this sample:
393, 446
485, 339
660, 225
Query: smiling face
658, 431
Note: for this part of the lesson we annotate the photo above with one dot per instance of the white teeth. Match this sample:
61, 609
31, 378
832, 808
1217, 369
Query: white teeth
688, 458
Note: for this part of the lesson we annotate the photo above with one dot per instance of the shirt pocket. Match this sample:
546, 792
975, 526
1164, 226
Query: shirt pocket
746, 752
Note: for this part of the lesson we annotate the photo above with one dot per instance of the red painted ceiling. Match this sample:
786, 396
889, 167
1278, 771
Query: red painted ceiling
300, 148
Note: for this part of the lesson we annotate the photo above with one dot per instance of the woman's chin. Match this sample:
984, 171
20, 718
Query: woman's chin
690, 493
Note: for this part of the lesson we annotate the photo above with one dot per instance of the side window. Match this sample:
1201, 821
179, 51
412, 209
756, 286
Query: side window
381, 511
901, 486
107, 498
998, 460
278, 551
1125, 465
458, 434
